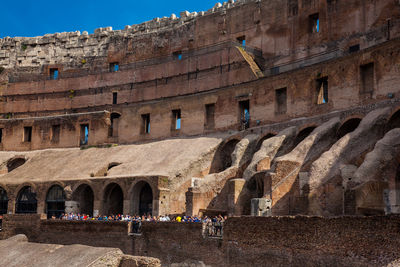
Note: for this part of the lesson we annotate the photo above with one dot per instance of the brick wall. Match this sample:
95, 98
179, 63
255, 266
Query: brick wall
248, 241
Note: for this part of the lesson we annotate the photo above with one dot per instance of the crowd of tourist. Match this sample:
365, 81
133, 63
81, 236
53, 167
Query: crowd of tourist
212, 226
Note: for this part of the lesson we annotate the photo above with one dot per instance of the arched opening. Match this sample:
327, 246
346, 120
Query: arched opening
84, 197
113, 130
113, 200
55, 202
142, 199
263, 139
394, 121
3, 201
303, 134
222, 158
348, 127
15, 163
26, 201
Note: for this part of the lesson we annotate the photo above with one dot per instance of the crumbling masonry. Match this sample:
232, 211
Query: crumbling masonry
253, 107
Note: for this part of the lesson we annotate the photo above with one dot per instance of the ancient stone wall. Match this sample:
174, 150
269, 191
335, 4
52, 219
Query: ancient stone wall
255, 241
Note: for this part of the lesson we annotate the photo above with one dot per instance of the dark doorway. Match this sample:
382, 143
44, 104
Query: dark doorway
85, 198
84, 137
26, 201
3, 201
142, 199
244, 119
113, 130
348, 127
113, 200
146, 200
55, 202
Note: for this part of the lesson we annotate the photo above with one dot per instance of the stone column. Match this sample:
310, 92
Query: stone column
72, 207
97, 208
235, 189
126, 206
194, 202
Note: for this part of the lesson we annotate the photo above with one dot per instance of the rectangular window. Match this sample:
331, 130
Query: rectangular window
281, 101
314, 23
1, 135
28, 134
114, 67
244, 108
210, 113
115, 98
176, 119
242, 40
84, 137
177, 55
145, 124
54, 74
354, 48
322, 90
55, 133
367, 78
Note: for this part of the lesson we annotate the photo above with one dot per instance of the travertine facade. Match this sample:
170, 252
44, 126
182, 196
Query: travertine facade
289, 103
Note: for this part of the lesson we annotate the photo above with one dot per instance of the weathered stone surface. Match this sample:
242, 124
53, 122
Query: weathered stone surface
269, 148
347, 150
17, 251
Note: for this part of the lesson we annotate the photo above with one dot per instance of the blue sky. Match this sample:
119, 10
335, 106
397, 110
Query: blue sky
34, 18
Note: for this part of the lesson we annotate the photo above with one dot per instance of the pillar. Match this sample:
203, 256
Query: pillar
235, 189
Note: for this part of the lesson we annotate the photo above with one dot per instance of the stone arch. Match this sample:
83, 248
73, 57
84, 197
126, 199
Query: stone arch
3, 201
82, 200
348, 126
26, 200
222, 157
394, 121
113, 199
55, 201
142, 198
262, 139
15, 162
303, 134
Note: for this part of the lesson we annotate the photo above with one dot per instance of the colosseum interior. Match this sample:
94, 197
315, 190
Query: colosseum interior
254, 107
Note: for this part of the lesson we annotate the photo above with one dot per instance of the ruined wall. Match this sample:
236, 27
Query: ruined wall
345, 90
187, 63
255, 241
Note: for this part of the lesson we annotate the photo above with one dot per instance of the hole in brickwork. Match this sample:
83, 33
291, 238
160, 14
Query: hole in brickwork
210, 117
280, 101
12, 164
322, 90
145, 129
176, 120
314, 23
28, 134
367, 78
